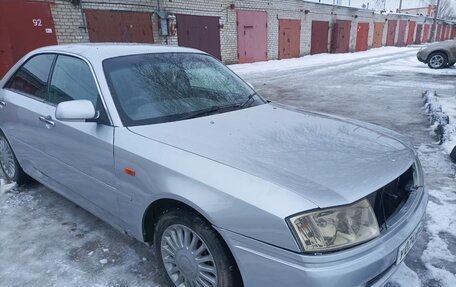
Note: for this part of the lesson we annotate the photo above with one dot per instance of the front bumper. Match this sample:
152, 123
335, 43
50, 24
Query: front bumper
369, 264
422, 57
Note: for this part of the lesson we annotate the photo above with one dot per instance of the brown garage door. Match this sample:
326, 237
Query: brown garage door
340, 40
401, 34
391, 33
362, 37
319, 41
24, 26
252, 36
199, 32
439, 33
378, 34
289, 38
426, 33
119, 26
411, 32
419, 32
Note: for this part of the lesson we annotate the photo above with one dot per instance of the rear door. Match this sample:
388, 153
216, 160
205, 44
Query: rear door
22, 102
82, 151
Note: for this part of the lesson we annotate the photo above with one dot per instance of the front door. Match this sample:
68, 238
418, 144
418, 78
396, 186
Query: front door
83, 151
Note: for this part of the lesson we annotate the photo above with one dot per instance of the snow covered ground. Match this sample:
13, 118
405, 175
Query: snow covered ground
46, 240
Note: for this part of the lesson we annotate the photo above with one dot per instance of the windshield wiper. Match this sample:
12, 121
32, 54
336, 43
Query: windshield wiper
249, 101
215, 109
210, 110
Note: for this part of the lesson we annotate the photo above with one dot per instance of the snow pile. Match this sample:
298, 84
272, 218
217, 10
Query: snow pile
319, 60
439, 256
404, 276
5, 187
442, 115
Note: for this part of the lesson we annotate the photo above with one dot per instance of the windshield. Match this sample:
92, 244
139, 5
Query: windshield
158, 88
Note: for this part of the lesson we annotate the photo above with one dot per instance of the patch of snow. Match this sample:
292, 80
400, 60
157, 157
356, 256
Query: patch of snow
405, 276
442, 113
90, 253
104, 261
6, 187
439, 256
105, 250
318, 60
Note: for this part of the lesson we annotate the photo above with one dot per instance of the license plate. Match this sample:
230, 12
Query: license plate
408, 244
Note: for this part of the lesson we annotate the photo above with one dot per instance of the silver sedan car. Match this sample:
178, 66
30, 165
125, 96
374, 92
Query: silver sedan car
171, 147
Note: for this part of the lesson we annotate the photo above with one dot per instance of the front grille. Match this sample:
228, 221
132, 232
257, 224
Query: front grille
389, 199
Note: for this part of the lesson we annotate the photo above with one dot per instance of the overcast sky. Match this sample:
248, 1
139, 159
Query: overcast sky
390, 4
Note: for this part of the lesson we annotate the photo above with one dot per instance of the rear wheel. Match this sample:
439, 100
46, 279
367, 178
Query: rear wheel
190, 252
437, 60
8, 162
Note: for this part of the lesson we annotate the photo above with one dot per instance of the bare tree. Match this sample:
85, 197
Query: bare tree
446, 9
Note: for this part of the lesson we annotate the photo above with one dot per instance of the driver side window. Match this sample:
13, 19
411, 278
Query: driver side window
72, 79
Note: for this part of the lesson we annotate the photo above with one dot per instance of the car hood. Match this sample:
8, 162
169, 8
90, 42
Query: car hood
443, 45
327, 161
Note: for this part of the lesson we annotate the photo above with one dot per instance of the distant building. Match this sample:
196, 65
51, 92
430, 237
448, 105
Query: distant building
424, 11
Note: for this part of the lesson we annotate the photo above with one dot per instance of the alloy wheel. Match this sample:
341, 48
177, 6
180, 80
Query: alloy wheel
437, 61
7, 158
187, 259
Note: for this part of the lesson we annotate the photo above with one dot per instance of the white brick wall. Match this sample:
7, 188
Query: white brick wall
71, 27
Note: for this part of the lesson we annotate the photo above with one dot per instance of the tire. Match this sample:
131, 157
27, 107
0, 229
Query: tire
179, 235
12, 171
437, 60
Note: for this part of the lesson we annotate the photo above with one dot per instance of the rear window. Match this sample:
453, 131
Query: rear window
32, 78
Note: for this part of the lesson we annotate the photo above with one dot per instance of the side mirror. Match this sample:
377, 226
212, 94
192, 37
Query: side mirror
75, 111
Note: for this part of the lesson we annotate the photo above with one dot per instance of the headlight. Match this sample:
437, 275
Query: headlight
336, 228
418, 179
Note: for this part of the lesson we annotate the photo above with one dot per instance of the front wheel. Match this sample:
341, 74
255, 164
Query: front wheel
190, 252
437, 60
8, 162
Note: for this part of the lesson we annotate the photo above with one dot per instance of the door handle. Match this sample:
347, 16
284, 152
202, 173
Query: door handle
2, 104
47, 120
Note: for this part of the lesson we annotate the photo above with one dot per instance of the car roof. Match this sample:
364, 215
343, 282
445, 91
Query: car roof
102, 51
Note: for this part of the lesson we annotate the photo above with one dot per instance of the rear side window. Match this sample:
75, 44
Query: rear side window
31, 79
72, 79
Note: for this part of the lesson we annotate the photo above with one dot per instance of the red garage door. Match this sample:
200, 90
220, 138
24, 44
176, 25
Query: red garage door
252, 36
419, 30
426, 33
199, 32
411, 32
378, 34
401, 33
289, 38
447, 32
391, 34
438, 36
319, 41
340, 40
24, 26
119, 26
362, 37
